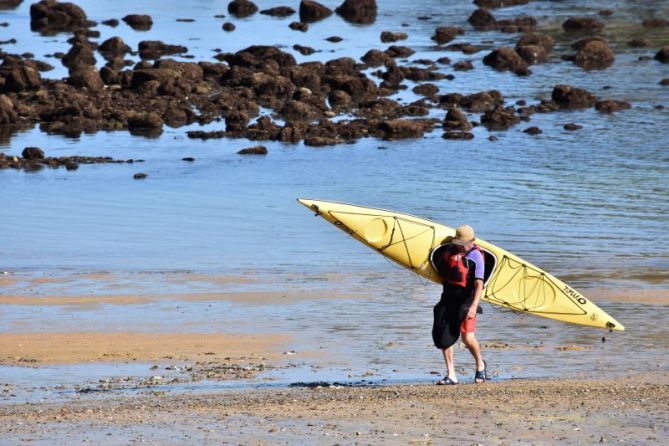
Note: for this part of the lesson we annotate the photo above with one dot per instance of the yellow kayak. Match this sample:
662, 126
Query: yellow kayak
510, 281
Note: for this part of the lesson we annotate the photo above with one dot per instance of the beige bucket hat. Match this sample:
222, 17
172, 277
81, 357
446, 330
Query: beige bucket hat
464, 234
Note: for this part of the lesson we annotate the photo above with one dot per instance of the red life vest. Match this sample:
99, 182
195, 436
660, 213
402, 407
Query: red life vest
456, 268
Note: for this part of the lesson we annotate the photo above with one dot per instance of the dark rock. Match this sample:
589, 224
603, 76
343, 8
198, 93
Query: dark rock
504, 58
242, 8
114, 47
532, 54
482, 19
299, 26
50, 16
499, 3
138, 22
185, 20
321, 141
533, 131
140, 121
86, 77
339, 99
8, 114
304, 50
358, 11
665, 82
570, 97
477, 102
655, 23
456, 120
376, 58
139, 176
611, 105
500, 118
111, 22
582, 24
257, 150
279, 11
458, 135
429, 90
334, 39
236, 121
663, 54
189, 159
492, 138
199, 134
463, 65
445, 34
444, 60
594, 55
18, 77
640, 43
464, 47
229, 27
9, 4
399, 51
580, 44
155, 49
387, 36
605, 12
32, 153
300, 111
543, 40
311, 11
571, 126
401, 129
79, 55
71, 165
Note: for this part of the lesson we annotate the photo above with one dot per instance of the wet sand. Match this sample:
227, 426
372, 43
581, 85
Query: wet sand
76, 347
631, 410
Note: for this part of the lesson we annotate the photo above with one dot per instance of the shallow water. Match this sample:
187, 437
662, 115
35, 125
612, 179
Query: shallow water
590, 206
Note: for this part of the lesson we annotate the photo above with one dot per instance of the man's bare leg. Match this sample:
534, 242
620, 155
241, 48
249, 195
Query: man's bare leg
469, 339
450, 364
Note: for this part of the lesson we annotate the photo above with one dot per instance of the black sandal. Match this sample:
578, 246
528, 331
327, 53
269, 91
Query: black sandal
481, 374
447, 382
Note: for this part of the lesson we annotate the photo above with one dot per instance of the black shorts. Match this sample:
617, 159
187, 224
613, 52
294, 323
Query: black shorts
449, 314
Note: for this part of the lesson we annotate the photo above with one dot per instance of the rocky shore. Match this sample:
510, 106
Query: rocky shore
331, 102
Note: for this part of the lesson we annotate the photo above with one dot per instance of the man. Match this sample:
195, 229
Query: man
460, 263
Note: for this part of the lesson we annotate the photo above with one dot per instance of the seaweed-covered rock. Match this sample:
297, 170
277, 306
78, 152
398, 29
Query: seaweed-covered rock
358, 11
401, 129
86, 77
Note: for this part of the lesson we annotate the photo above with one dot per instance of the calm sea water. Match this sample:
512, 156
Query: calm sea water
591, 206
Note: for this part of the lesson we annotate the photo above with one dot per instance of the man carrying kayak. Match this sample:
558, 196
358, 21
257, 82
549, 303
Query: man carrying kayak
460, 263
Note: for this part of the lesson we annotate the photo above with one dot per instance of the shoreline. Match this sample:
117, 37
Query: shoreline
568, 411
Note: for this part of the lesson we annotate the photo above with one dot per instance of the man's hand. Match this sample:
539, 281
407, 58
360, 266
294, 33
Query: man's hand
471, 313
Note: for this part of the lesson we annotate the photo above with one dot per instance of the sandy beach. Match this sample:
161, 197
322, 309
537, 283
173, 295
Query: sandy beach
632, 410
